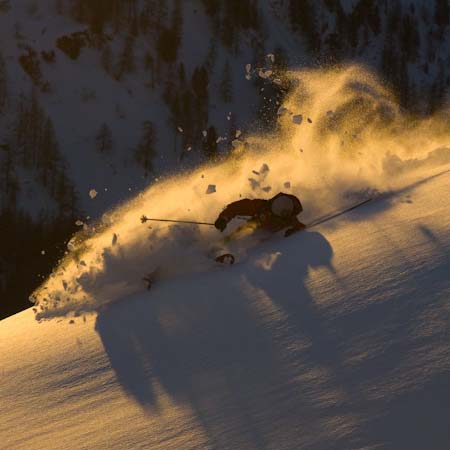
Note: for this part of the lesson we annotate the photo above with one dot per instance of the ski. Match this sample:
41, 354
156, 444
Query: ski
151, 278
226, 258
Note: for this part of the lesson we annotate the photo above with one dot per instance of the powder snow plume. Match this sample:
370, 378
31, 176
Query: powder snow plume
340, 136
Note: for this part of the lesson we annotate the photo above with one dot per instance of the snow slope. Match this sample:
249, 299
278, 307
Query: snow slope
336, 338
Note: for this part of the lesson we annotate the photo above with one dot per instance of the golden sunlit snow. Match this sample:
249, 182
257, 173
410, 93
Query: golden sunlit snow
353, 141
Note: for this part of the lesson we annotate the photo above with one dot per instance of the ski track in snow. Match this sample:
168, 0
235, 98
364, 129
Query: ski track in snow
335, 338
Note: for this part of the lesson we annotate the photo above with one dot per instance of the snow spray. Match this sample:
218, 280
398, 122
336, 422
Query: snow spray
340, 133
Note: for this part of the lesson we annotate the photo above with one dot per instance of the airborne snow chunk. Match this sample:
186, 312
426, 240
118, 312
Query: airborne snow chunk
297, 119
264, 169
253, 183
248, 68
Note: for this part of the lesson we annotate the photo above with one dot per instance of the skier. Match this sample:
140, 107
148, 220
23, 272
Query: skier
273, 215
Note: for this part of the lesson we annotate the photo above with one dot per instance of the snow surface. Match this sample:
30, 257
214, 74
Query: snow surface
336, 338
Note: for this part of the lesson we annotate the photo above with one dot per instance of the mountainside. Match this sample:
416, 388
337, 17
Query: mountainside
334, 338
100, 99
91, 116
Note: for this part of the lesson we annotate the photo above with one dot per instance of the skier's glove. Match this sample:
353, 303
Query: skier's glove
220, 224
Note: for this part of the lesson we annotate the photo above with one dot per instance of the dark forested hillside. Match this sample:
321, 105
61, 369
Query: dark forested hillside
111, 94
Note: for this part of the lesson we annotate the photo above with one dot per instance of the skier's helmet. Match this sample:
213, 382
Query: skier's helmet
283, 206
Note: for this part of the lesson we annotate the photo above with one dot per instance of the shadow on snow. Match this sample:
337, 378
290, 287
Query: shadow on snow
231, 346
261, 365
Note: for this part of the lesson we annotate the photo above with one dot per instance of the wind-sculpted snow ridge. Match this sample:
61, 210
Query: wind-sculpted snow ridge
353, 139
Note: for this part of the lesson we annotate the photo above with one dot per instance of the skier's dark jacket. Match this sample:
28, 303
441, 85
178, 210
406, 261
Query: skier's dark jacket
260, 212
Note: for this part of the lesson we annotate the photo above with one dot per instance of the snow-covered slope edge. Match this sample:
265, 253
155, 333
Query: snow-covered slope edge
335, 338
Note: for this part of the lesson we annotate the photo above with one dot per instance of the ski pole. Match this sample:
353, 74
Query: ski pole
146, 219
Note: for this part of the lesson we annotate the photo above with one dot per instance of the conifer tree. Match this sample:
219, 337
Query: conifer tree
59, 7
374, 20
410, 38
212, 7
177, 20
167, 45
48, 155
200, 81
65, 196
211, 57
145, 151
28, 128
103, 139
106, 59
182, 75
441, 13
3, 84
9, 184
437, 91
226, 84
149, 65
404, 83
36, 125
303, 19
209, 144
126, 63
